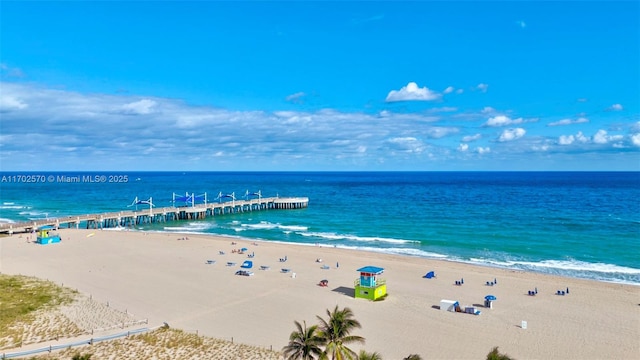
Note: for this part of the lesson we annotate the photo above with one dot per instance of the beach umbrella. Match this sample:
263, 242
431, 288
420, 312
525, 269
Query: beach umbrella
490, 297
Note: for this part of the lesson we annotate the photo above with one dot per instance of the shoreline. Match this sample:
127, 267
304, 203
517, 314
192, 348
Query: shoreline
156, 276
371, 250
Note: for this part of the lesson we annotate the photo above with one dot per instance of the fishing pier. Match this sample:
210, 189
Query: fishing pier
158, 215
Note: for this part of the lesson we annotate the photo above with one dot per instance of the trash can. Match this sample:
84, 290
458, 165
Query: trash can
488, 304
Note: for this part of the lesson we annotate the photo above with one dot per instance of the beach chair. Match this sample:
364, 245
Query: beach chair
325, 267
211, 262
221, 252
285, 270
264, 267
231, 263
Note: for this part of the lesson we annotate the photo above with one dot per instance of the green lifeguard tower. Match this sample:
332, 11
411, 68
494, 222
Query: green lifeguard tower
369, 286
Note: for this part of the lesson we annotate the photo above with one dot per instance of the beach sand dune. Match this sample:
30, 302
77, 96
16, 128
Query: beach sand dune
159, 277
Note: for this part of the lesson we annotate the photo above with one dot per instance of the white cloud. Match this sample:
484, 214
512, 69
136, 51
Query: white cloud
566, 139
470, 138
540, 147
11, 71
581, 138
438, 132
615, 107
296, 98
171, 131
601, 137
488, 110
459, 91
443, 109
511, 134
521, 23
9, 103
406, 144
412, 92
482, 87
502, 120
448, 90
563, 122
141, 107
386, 114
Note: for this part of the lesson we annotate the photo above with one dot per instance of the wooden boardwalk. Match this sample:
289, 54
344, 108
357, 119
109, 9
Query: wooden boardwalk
154, 215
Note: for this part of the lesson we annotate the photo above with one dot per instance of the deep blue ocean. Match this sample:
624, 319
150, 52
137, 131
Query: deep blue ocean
577, 224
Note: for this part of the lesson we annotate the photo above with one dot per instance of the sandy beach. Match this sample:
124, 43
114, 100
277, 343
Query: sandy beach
158, 277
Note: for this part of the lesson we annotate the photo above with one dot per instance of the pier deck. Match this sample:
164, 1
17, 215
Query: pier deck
153, 215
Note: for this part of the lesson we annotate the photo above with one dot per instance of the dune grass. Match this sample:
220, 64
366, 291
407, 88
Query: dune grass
22, 296
165, 343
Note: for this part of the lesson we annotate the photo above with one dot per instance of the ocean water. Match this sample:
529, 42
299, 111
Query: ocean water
577, 224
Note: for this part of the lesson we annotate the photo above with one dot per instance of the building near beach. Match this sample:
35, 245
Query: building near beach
369, 285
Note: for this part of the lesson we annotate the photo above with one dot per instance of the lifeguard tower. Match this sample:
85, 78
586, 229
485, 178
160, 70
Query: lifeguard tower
46, 236
369, 286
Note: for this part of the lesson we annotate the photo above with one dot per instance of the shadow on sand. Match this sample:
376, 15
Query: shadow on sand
345, 291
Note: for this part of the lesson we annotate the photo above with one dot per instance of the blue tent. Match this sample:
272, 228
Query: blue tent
248, 264
430, 275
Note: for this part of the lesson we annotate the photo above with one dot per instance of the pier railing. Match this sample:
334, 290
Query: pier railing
165, 214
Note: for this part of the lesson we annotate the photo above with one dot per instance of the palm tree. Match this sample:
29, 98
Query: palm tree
304, 343
336, 333
363, 355
413, 357
494, 354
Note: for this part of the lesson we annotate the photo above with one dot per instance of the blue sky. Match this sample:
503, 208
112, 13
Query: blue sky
319, 86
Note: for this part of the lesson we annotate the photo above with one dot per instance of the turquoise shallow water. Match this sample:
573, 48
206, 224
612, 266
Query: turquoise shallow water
578, 224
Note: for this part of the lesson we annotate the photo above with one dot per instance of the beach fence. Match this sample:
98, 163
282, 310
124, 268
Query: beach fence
90, 341
86, 332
